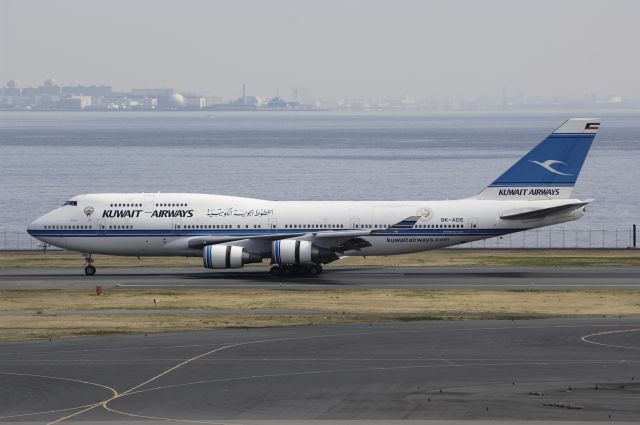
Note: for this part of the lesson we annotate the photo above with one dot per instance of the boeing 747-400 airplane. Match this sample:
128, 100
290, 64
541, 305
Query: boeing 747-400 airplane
299, 237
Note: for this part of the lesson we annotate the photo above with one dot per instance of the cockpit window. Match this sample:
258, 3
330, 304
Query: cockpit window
74, 203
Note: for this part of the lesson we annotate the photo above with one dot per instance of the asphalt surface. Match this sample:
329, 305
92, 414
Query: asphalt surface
547, 278
560, 369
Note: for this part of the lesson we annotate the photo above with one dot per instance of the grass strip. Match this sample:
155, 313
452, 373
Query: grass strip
270, 306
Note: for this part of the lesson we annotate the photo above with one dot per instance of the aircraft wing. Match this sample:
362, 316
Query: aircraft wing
329, 237
202, 241
336, 240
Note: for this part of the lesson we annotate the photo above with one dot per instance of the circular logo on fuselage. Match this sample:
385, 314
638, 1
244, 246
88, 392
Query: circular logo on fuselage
88, 210
425, 214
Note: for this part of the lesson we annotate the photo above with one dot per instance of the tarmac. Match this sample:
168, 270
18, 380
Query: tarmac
552, 369
497, 277
450, 372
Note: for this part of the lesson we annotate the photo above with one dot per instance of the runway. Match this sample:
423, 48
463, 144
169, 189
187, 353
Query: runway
544, 278
562, 369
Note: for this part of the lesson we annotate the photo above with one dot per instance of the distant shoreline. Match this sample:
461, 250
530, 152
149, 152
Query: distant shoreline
438, 111
171, 110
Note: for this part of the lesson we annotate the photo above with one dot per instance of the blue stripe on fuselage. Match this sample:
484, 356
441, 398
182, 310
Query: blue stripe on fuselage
248, 233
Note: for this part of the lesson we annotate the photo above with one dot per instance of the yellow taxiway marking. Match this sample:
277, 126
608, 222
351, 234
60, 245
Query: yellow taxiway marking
588, 341
85, 406
104, 404
116, 395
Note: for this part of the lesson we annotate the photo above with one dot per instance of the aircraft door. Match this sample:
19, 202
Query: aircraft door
355, 222
101, 226
472, 223
273, 224
177, 226
148, 203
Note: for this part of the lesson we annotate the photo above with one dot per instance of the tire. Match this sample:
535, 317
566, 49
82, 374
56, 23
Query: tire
89, 270
299, 270
275, 271
314, 270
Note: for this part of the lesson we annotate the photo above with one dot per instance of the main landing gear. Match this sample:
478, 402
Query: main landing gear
311, 269
89, 269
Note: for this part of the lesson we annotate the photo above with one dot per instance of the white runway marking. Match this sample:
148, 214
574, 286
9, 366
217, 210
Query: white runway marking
586, 339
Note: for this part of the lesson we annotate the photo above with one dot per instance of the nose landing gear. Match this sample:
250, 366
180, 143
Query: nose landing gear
89, 269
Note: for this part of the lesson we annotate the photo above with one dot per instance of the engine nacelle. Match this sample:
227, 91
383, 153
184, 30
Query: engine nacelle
290, 252
227, 257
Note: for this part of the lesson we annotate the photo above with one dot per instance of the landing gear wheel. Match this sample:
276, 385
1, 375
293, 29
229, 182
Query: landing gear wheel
314, 269
275, 271
298, 270
89, 270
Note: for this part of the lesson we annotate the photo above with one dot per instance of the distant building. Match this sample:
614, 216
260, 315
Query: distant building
8, 101
172, 101
93, 91
213, 100
12, 89
279, 103
49, 87
195, 102
303, 96
75, 102
152, 92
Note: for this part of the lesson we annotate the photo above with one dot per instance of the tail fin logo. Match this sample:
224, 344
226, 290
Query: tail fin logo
592, 126
548, 165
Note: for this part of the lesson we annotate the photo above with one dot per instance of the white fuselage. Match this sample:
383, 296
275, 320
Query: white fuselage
142, 224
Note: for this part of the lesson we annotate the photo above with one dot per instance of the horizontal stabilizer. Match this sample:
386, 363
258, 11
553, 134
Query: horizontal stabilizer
543, 212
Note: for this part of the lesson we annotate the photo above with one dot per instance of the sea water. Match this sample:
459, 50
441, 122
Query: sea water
48, 157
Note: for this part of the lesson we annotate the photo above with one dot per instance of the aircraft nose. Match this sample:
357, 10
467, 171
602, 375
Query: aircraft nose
31, 227
34, 225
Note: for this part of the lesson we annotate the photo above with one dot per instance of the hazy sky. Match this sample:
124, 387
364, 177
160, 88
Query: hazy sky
337, 48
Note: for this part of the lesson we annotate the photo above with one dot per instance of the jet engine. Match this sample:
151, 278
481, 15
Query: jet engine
227, 257
289, 252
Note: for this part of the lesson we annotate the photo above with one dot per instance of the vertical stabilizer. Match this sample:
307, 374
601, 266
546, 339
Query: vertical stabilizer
551, 169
